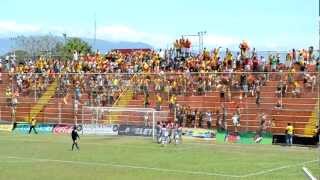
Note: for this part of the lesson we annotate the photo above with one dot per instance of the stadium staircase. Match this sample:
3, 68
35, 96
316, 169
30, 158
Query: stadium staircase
122, 101
309, 128
43, 101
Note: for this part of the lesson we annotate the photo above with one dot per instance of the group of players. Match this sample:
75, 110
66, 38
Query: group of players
166, 134
169, 133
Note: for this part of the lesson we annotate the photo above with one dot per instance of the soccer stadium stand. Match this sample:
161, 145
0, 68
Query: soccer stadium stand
174, 81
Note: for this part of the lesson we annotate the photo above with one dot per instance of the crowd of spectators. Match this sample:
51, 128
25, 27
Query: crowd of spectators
163, 75
182, 47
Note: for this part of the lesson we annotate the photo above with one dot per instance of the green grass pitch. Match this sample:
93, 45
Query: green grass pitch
33, 157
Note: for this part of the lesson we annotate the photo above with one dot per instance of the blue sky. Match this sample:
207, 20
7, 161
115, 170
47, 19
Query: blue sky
266, 24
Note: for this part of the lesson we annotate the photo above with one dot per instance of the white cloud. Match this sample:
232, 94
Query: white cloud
9, 27
272, 45
125, 33
110, 33
120, 32
219, 40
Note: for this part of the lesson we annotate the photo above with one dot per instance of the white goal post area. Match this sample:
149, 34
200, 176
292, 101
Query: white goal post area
140, 117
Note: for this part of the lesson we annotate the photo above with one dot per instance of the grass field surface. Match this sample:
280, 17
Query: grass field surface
136, 158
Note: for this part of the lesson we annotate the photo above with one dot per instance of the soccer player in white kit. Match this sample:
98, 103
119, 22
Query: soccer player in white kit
164, 135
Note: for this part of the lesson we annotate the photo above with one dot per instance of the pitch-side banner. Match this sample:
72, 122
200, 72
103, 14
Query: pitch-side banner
6, 127
62, 129
40, 128
100, 129
129, 130
198, 133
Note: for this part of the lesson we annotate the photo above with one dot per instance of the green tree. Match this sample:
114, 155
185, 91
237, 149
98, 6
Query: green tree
37, 45
73, 44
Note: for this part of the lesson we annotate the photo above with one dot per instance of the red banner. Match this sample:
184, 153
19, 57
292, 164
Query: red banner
62, 129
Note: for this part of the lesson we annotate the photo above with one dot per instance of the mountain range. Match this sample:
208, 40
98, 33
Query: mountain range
103, 45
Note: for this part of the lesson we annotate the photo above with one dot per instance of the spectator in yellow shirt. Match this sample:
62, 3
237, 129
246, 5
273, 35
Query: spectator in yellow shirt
158, 102
33, 126
289, 134
172, 103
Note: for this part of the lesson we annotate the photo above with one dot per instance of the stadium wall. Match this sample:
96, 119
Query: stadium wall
281, 139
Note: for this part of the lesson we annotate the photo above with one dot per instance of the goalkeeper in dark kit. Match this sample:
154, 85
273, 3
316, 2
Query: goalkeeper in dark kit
75, 136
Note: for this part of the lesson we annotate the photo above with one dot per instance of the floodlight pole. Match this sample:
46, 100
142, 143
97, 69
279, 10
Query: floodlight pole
65, 38
200, 35
95, 31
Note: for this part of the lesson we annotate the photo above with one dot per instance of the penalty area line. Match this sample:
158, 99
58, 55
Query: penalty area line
201, 173
267, 171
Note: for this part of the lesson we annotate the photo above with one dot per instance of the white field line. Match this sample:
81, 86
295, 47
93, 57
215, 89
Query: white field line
201, 173
279, 168
308, 173
257, 147
5, 160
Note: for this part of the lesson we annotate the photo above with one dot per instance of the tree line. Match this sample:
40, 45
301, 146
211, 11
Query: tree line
31, 47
